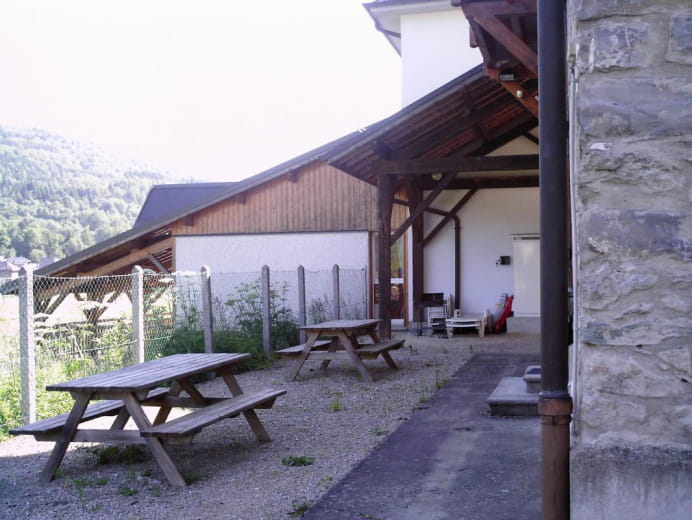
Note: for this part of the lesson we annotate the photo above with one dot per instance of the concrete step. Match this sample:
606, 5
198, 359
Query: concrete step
510, 398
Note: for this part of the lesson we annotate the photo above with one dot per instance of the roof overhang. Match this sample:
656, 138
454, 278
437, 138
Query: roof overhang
387, 15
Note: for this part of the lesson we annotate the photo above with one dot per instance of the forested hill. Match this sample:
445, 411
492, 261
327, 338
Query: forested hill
58, 197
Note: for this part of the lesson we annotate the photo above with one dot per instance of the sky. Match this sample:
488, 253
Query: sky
212, 90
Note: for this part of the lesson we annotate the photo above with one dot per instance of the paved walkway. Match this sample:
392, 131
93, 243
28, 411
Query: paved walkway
450, 460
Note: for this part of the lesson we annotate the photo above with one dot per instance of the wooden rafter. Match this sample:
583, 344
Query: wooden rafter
446, 218
526, 98
132, 258
442, 185
443, 134
459, 165
487, 15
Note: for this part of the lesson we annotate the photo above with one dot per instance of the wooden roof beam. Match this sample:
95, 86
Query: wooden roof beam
132, 258
459, 165
486, 13
441, 185
523, 96
443, 134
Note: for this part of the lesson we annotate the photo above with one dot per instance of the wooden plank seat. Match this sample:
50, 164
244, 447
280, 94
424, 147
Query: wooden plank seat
296, 350
99, 409
186, 426
371, 351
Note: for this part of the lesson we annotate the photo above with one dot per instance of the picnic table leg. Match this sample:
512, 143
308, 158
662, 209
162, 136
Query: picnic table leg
332, 348
303, 356
351, 351
155, 445
388, 359
250, 415
66, 436
165, 409
121, 419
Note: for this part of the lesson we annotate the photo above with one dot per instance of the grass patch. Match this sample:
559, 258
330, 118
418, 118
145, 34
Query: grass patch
298, 461
128, 454
299, 508
127, 491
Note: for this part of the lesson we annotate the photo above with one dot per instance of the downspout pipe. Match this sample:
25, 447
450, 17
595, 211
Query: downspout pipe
457, 251
555, 403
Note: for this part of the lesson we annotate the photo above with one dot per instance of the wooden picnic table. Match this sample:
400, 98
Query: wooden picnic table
126, 390
342, 343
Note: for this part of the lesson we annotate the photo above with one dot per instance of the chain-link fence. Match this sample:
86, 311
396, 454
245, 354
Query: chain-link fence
87, 325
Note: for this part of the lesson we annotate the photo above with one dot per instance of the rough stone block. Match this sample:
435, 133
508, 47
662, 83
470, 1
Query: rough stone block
630, 482
620, 46
655, 107
625, 396
590, 9
639, 233
651, 175
680, 42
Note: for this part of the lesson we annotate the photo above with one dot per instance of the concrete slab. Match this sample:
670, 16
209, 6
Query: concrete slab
511, 398
451, 460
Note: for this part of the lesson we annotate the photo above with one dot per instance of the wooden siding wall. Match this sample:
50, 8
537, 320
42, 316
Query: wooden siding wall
317, 197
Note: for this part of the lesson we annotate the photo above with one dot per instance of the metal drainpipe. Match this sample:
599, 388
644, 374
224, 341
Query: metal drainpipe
555, 403
457, 254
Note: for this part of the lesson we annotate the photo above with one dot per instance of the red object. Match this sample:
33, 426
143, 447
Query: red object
499, 325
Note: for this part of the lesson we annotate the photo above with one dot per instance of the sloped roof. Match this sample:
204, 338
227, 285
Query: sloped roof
168, 198
471, 115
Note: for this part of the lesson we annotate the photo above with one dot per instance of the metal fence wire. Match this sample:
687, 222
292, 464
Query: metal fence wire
85, 325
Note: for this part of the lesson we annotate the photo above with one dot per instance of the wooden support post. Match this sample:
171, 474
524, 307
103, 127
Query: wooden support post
302, 310
385, 201
266, 311
138, 313
207, 314
335, 292
27, 355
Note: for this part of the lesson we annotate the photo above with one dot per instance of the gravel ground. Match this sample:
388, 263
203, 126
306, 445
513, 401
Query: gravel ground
329, 416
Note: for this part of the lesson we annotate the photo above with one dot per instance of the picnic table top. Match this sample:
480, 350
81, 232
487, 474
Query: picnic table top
342, 325
149, 374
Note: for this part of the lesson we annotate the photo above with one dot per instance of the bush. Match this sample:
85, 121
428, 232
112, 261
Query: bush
244, 333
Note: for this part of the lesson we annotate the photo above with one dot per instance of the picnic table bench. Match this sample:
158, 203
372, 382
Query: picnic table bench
125, 391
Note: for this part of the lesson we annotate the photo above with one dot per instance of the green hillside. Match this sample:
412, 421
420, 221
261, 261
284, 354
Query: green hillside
58, 197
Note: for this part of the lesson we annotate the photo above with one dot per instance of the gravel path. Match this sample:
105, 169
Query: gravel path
329, 416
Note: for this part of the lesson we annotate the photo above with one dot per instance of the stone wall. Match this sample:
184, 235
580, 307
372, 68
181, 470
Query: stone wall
631, 64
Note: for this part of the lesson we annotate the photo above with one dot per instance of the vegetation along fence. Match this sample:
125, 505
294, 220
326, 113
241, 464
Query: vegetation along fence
56, 329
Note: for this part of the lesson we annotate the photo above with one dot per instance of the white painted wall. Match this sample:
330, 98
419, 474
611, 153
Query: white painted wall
488, 222
280, 251
434, 50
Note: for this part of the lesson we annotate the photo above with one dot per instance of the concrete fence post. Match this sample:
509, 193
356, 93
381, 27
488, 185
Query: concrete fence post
302, 311
335, 285
266, 310
207, 314
27, 355
138, 313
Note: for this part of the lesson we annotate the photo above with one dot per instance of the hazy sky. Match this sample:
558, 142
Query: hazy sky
209, 89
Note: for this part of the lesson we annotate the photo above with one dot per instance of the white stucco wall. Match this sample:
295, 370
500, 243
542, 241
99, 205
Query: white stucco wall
434, 50
488, 222
280, 251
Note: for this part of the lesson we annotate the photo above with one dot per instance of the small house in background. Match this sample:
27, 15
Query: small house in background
10, 267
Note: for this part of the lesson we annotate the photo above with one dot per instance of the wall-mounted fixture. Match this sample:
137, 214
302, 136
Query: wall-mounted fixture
503, 260
436, 176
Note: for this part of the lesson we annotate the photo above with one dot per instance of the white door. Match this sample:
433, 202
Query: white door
527, 275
